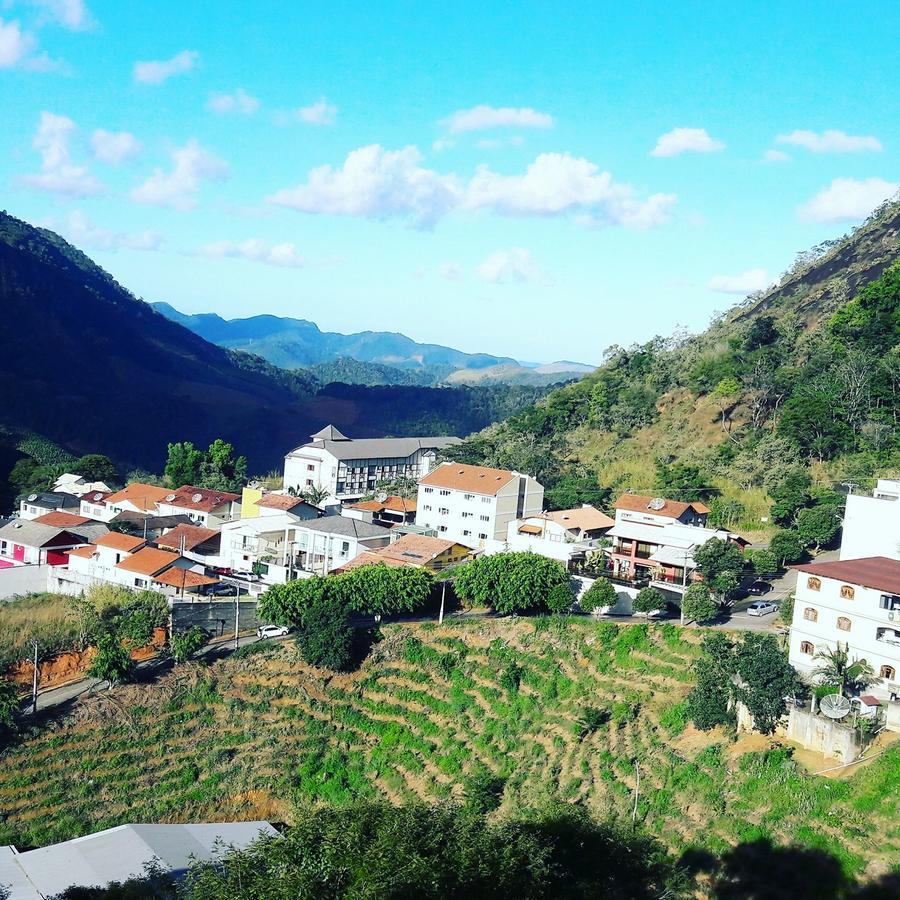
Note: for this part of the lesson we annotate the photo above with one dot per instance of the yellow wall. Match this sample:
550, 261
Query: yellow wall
249, 498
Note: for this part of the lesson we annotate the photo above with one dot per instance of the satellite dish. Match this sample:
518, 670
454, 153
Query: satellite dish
197, 498
835, 706
32, 498
656, 503
98, 496
170, 498
381, 496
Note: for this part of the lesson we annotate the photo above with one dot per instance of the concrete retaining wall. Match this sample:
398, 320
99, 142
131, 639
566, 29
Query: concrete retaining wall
823, 735
16, 581
624, 596
215, 617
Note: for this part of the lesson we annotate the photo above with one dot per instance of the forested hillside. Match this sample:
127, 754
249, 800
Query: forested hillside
799, 382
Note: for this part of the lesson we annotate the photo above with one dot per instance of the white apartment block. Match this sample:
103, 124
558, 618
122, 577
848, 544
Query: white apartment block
349, 469
854, 605
872, 524
474, 504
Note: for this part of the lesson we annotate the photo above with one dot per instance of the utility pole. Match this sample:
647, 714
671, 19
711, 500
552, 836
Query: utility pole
237, 616
637, 790
34, 680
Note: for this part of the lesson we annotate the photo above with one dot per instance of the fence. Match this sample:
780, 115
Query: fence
216, 617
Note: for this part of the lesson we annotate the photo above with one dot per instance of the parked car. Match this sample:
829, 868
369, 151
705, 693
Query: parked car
220, 589
272, 631
220, 570
759, 588
761, 608
245, 575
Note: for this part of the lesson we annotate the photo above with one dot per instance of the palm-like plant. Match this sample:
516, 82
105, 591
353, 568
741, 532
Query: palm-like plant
837, 668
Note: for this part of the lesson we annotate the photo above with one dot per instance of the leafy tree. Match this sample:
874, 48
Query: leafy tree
96, 467
599, 595
765, 679
836, 667
9, 706
286, 604
786, 609
648, 600
791, 495
140, 615
721, 563
786, 547
761, 333
697, 605
764, 562
510, 582
325, 635
818, 525
112, 661
184, 645
482, 789
315, 495
385, 590
682, 481
560, 599
183, 464
726, 394
570, 491
220, 470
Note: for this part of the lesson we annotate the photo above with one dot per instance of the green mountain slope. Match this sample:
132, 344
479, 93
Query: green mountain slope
91, 368
804, 377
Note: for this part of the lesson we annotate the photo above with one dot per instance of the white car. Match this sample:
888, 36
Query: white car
761, 608
244, 575
272, 631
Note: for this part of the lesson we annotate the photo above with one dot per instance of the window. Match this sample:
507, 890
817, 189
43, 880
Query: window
807, 648
444, 511
345, 547
813, 583
810, 614
310, 468
483, 536
309, 482
847, 592
427, 507
466, 533
889, 673
468, 496
428, 490
485, 499
445, 493
467, 515
485, 518
442, 527
843, 623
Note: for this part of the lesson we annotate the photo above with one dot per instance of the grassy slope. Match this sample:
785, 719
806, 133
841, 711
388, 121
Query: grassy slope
252, 736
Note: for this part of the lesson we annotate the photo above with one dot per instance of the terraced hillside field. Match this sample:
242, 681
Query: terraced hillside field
431, 707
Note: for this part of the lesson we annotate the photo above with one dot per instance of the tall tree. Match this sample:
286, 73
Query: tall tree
220, 470
96, 467
183, 464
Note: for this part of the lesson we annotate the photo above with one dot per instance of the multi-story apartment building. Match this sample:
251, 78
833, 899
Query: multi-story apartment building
872, 523
855, 605
349, 469
475, 504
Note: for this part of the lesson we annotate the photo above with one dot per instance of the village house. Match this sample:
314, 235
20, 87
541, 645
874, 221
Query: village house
201, 505
93, 505
96, 562
25, 542
565, 534
68, 483
475, 504
871, 525
43, 502
83, 527
416, 550
854, 605
273, 504
136, 497
351, 468
387, 511
201, 545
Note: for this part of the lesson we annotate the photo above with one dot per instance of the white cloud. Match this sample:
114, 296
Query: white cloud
283, 255
375, 183
743, 284
515, 264
59, 175
480, 118
319, 113
775, 156
15, 44
558, 183
192, 164
685, 140
450, 271
158, 71
238, 102
79, 229
114, 147
71, 14
831, 141
847, 200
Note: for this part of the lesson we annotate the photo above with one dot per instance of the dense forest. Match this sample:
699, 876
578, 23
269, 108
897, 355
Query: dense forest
795, 386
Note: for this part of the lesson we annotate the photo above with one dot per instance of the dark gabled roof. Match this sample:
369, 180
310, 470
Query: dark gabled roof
877, 572
51, 500
29, 533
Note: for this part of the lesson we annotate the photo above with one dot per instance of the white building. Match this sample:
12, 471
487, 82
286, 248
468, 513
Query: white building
851, 604
28, 543
33, 506
202, 506
349, 469
136, 497
475, 504
872, 524
562, 534
68, 483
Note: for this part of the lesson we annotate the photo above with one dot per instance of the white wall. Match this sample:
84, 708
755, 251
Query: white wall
18, 580
871, 528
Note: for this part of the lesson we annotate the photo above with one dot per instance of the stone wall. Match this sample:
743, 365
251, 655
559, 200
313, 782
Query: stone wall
215, 617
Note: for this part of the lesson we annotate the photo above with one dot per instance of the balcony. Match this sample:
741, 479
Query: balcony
888, 636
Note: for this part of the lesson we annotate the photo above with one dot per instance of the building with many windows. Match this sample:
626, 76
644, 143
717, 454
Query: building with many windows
349, 469
475, 504
872, 523
851, 604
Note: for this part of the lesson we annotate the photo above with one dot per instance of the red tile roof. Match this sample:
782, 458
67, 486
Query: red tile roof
202, 499
184, 579
393, 503
474, 479
280, 501
192, 535
62, 519
143, 496
84, 552
148, 561
587, 518
116, 541
670, 509
877, 572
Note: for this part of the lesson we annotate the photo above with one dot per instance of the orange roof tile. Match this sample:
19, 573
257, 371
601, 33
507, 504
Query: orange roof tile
462, 477
84, 552
587, 518
416, 548
202, 499
280, 501
393, 503
670, 509
370, 558
148, 561
184, 578
61, 519
117, 541
192, 535
143, 496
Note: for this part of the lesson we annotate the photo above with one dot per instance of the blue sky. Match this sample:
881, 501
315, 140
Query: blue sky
531, 179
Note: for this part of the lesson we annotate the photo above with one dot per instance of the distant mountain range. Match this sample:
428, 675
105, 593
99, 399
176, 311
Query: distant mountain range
298, 343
